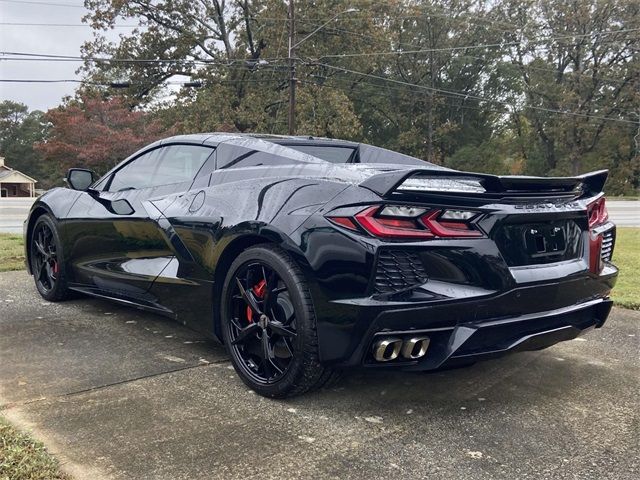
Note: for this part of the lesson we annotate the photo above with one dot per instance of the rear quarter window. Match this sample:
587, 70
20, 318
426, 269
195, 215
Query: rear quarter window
234, 156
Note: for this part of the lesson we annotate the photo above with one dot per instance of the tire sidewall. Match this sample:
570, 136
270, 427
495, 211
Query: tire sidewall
305, 320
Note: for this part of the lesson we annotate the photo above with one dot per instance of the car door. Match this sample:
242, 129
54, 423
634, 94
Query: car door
117, 245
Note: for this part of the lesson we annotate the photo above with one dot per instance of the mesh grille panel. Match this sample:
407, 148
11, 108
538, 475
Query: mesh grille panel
398, 270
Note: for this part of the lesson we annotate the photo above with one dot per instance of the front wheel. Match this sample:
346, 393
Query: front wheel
269, 325
46, 260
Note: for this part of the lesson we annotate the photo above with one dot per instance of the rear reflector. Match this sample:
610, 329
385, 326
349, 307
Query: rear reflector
345, 222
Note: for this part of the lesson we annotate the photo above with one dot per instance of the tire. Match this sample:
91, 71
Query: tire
49, 273
303, 371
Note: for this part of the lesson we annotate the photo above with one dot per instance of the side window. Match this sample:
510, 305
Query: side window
180, 163
162, 166
136, 174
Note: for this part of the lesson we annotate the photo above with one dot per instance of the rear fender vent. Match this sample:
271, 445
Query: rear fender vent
608, 241
398, 270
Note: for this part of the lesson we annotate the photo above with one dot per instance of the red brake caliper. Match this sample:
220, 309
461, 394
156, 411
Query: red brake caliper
259, 290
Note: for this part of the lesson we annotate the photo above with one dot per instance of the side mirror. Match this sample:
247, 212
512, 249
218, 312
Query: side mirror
79, 179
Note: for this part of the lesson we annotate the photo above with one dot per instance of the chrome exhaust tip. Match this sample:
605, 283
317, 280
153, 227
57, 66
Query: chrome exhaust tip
387, 349
415, 347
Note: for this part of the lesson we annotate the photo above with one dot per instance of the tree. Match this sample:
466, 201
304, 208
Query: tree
95, 133
579, 57
543, 86
19, 130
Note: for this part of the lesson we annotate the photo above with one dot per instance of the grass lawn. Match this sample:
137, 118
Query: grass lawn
11, 252
626, 256
22, 458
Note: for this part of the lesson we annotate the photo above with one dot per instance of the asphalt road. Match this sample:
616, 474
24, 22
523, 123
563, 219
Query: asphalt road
119, 394
625, 213
14, 211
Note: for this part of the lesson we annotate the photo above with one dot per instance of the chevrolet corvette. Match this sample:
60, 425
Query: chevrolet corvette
305, 255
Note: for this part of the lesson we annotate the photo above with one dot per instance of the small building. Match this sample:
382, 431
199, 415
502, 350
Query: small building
14, 183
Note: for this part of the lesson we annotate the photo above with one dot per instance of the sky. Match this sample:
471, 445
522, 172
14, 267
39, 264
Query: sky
41, 39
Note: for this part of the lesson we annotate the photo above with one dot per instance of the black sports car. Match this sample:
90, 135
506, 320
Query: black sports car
306, 255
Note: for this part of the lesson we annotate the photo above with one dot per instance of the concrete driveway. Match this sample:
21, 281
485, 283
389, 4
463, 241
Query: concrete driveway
116, 393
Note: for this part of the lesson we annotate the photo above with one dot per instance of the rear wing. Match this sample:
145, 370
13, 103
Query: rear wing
483, 185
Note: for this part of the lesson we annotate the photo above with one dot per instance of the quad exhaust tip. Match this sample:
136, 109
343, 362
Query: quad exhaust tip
387, 349
415, 347
390, 348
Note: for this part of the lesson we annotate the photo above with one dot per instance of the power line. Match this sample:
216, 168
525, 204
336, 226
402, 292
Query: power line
343, 87
19, 24
30, 2
20, 80
200, 63
132, 84
53, 57
475, 97
528, 66
468, 47
240, 64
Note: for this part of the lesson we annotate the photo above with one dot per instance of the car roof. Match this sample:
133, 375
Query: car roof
215, 138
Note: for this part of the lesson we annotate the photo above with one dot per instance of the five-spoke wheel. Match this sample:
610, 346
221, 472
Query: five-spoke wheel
262, 324
268, 324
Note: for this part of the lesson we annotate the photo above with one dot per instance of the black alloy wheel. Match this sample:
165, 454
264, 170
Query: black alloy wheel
269, 324
262, 323
46, 260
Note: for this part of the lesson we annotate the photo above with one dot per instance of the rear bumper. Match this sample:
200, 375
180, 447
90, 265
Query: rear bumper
464, 330
468, 343
459, 290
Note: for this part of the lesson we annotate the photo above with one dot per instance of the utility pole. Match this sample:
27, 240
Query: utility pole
292, 69
292, 58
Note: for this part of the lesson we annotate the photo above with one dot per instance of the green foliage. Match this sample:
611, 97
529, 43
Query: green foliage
22, 458
11, 252
485, 157
19, 131
626, 256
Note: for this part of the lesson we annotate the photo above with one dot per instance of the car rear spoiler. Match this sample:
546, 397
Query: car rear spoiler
385, 184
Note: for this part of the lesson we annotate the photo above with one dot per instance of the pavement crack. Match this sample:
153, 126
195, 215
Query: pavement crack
4, 405
142, 377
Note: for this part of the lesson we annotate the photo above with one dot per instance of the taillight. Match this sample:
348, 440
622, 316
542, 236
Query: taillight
597, 212
391, 226
597, 215
407, 222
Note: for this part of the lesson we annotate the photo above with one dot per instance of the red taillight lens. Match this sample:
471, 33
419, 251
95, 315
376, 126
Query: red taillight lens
389, 227
448, 228
400, 222
597, 212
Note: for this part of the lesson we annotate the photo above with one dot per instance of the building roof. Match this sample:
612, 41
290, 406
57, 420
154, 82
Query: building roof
6, 173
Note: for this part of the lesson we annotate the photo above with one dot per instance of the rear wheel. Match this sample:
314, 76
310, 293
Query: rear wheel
269, 324
47, 266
